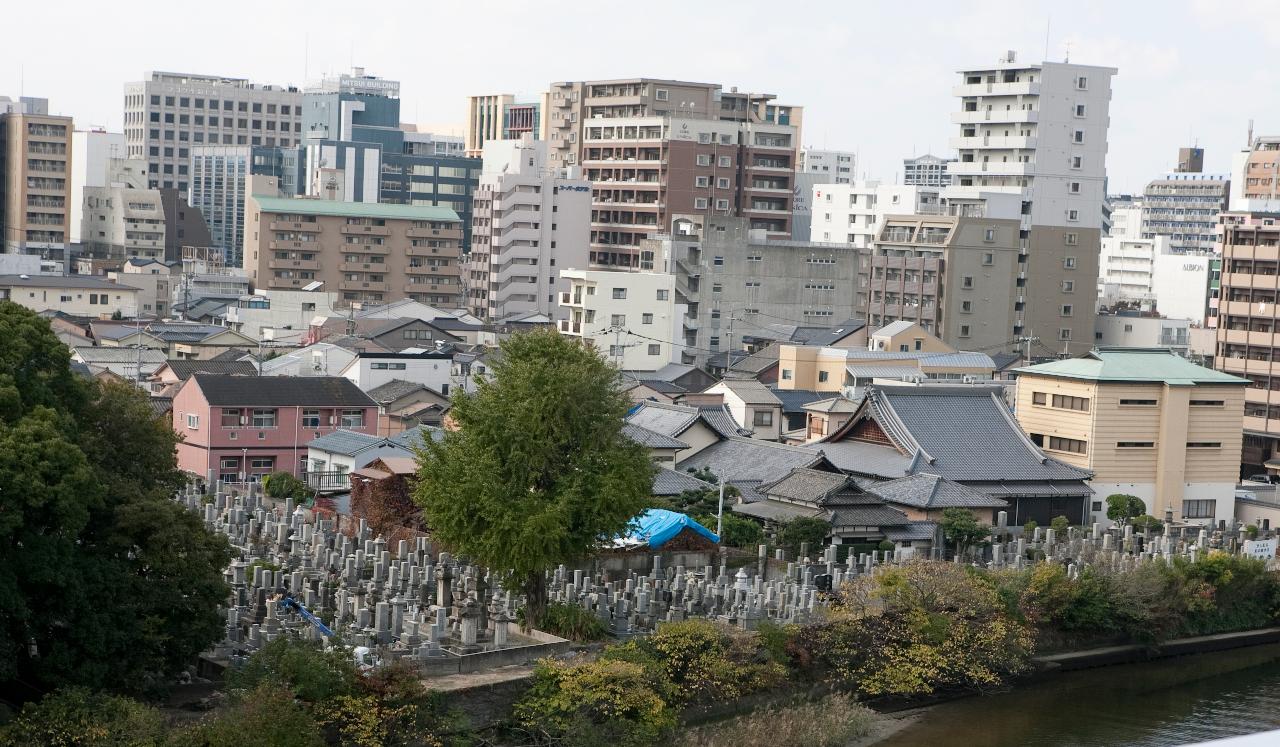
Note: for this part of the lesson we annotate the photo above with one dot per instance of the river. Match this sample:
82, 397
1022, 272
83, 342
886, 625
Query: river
1155, 704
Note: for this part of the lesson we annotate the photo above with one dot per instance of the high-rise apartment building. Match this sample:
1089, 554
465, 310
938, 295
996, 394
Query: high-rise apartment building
1183, 206
370, 253
835, 166
220, 181
1039, 131
501, 116
92, 152
656, 148
35, 179
168, 114
1190, 160
356, 150
851, 213
529, 222
125, 219
926, 171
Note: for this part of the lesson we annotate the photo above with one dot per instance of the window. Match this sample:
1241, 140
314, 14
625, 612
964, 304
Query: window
263, 463
823, 376
1207, 403
966, 306
1067, 402
618, 320
722, 183
655, 349
699, 203
755, 257
704, 159
722, 204
619, 293
230, 417
1138, 402
1204, 444
661, 94
1077, 162
1080, 110
193, 422
1073, 215
1069, 263
264, 418
702, 181
646, 318
1097, 506
964, 330
229, 463
1067, 309
352, 419
1135, 444
1200, 509
990, 235
1077, 136
966, 281
1068, 286
717, 261
1082, 82
786, 374
762, 417
1072, 445
988, 258
310, 418
662, 294
725, 162
716, 287
1064, 334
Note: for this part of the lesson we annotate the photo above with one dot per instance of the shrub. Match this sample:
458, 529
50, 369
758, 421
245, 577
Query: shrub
706, 661
281, 485
885, 546
268, 714
1029, 529
833, 721
83, 718
302, 667
573, 622
736, 531
1059, 524
1121, 507
605, 702
801, 530
961, 529
1251, 531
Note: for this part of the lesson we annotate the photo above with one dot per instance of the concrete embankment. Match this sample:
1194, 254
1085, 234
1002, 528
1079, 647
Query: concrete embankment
1128, 654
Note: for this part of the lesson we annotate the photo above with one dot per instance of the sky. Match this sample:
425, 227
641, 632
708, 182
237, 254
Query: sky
874, 77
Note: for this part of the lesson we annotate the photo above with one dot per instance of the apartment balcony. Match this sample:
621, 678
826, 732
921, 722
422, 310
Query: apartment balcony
365, 230
362, 285
363, 266
1249, 280
381, 249
279, 225
434, 233
1019, 88
1245, 337
442, 252
327, 481
1242, 366
990, 168
569, 327
771, 169
452, 289
767, 190
1001, 116
630, 163
293, 264
567, 298
989, 141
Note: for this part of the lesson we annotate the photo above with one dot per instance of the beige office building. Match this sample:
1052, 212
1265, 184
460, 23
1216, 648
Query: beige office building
35, 180
1146, 422
365, 252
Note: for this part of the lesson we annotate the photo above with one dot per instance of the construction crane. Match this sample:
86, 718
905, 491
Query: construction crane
363, 655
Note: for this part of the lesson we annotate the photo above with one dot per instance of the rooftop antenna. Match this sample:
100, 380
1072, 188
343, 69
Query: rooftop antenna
1066, 55
1249, 144
1048, 23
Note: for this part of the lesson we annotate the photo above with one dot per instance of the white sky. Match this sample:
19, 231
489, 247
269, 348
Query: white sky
873, 76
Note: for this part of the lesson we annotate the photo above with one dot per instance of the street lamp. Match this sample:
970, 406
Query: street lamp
244, 465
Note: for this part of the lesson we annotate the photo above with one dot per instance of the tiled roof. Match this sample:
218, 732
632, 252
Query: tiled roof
737, 458
651, 439
90, 354
794, 400
962, 433
718, 417
345, 442
882, 371
667, 419
161, 405
279, 391
184, 368
667, 481
412, 438
861, 458
758, 361
830, 335
776, 510
751, 391
913, 531
662, 387
802, 484
867, 515
230, 354
933, 492
1133, 365
394, 390
832, 404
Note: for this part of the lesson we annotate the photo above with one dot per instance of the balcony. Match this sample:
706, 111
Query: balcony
380, 267
366, 230
992, 168
990, 141
1016, 88
430, 251
279, 225
366, 249
569, 327
294, 264
434, 233
327, 481
363, 285
568, 298
995, 115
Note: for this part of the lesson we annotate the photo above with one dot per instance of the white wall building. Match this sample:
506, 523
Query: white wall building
1180, 285
123, 218
528, 222
1040, 131
320, 359
77, 295
1133, 331
835, 166
415, 365
631, 317
285, 313
926, 171
91, 154
852, 213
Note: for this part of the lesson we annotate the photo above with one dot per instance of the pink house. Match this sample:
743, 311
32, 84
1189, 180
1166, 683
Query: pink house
243, 427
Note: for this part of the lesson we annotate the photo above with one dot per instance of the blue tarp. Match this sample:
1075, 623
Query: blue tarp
658, 526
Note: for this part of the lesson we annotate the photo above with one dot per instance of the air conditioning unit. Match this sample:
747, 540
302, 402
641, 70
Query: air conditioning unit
333, 420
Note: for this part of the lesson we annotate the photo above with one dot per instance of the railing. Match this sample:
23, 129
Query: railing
327, 480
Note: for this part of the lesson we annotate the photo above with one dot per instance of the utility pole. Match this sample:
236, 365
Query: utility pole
720, 510
1026, 340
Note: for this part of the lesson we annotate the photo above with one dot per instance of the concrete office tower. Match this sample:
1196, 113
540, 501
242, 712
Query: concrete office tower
357, 151
35, 179
851, 213
735, 281
1183, 206
501, 117
836, 166
954, 275
657, 148
91, 154
1040, 131
220, 182
530, 222
369, 253
424, 143
167, 114
926, 171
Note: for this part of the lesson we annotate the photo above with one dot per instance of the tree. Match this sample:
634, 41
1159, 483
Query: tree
1121, 507
1059, 524
961, 529
104, 581
80, 717
803, 530
736, 531
281, 485
538, 471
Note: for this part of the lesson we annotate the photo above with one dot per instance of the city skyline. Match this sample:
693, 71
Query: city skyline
844, 69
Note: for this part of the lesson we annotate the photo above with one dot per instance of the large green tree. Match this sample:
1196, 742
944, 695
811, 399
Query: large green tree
537, 471
104, 582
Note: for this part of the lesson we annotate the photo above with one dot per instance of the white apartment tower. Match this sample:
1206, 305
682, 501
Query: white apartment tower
1040, 131
168, 114
529, 221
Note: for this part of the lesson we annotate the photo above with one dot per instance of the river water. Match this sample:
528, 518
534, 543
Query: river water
1155, 704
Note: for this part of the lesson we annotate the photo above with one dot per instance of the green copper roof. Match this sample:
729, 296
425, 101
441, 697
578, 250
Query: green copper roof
1134, 365
302, 206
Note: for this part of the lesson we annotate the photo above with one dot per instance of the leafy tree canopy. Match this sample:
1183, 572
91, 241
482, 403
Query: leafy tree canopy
1122, 507
538, 470
961, 529
804, 529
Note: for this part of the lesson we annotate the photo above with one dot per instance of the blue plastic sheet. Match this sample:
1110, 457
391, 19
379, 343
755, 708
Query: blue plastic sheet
658, 526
